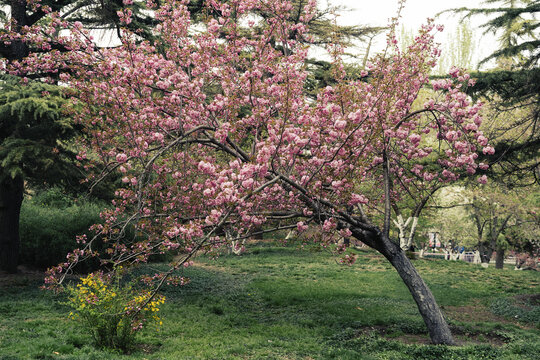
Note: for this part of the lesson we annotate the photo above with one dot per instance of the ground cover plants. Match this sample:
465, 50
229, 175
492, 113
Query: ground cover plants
276, 302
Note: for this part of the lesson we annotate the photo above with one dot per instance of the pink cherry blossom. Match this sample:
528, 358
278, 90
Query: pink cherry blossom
121, 158
488, 150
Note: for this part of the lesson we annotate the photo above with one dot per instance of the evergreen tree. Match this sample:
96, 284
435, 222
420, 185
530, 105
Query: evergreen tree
514, 84
33, 149
31, 124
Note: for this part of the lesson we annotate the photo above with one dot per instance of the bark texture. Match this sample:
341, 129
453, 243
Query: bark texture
11, 196
438, 329
499, 258
11, 190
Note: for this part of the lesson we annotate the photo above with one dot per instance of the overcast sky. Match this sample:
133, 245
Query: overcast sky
415, 13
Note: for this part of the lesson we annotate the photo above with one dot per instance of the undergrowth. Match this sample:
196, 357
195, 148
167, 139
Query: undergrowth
278, 302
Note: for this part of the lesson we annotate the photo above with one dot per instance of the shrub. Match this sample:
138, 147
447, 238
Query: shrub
111, 311
50, 222
49, 226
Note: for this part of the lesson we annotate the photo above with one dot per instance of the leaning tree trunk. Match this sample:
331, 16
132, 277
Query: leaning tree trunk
11, 196
438, 329
499, 258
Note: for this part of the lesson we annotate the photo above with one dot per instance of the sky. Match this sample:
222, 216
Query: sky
415, 13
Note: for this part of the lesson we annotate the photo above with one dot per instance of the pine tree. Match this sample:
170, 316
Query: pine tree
33, 149
31, 124
513, 84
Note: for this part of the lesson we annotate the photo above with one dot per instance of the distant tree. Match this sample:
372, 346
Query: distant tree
450, 216
504, 219
409, 225
491, 218
458, 50
524, 237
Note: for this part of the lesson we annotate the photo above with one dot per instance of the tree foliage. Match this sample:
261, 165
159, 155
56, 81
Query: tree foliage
516, 24
23, 34
458, 50
496, 211
513, 85
33, 146
35, 149
34, 133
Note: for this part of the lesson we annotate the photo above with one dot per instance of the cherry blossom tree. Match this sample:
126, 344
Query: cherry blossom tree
210, 129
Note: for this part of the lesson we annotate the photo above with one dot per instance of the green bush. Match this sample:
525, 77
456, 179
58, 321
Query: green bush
111, 312
50, 222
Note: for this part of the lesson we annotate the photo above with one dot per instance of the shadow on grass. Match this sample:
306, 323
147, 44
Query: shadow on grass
279, 303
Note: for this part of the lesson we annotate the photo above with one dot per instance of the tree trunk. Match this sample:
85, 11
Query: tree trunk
18, 48
406, 240
499, 258
258, 233
438, 329
11, 196
402, 228
485, 253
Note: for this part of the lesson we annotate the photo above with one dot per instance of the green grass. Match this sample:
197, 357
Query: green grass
284, 303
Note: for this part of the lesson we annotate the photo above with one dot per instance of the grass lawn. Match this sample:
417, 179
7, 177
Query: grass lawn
284, 303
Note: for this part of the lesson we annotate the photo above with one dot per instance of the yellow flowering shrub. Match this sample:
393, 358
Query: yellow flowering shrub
113, 312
